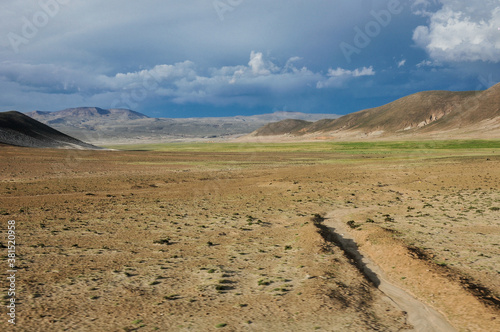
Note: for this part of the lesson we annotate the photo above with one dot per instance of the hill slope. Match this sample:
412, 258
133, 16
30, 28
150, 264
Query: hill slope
19, 129
427, 113
288, 126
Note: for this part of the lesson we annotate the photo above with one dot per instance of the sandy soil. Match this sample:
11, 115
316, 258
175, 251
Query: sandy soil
223, 241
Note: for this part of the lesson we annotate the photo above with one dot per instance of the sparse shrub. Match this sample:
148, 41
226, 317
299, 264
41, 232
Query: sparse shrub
317, 218
163, 241
171, 297
222, 288
352, 224
264, 282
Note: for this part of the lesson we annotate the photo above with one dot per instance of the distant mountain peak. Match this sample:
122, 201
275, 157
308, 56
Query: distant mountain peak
78, 115
40, 112
99, 112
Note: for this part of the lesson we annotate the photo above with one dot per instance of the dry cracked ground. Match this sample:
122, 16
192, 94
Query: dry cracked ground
210, 240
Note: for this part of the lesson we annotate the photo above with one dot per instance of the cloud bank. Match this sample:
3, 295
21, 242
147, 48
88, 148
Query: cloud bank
170, 57
462, 31
182, 82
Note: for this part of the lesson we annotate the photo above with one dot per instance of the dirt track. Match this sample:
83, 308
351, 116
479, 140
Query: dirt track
422, 317
389, 262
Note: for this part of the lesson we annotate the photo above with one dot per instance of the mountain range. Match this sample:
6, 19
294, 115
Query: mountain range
429, 114
107, 126
423, 115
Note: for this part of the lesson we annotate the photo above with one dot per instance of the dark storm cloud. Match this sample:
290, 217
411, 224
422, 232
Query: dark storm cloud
65, 53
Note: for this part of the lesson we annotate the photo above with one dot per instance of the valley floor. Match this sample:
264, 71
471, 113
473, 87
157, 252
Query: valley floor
219, 237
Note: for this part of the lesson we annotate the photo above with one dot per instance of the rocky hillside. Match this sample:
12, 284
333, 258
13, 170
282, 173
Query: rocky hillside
423, 113
21, 130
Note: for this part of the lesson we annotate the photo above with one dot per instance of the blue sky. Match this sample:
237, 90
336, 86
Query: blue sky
173, 58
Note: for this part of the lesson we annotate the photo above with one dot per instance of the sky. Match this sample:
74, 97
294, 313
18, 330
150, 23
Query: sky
205, 58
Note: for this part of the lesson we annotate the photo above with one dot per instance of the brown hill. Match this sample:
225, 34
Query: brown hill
289, 126
428, 113
21, 130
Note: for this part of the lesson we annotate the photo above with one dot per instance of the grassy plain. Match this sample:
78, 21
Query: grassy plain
218, 236
373, 147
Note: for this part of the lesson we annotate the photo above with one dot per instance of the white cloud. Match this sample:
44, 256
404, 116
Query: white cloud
424, 7
354, 73
337, 77
157, 75
462, 31
259, 66
289, 64
425, 63
401, 63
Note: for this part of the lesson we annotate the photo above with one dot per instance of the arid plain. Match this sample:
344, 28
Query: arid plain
220, 237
